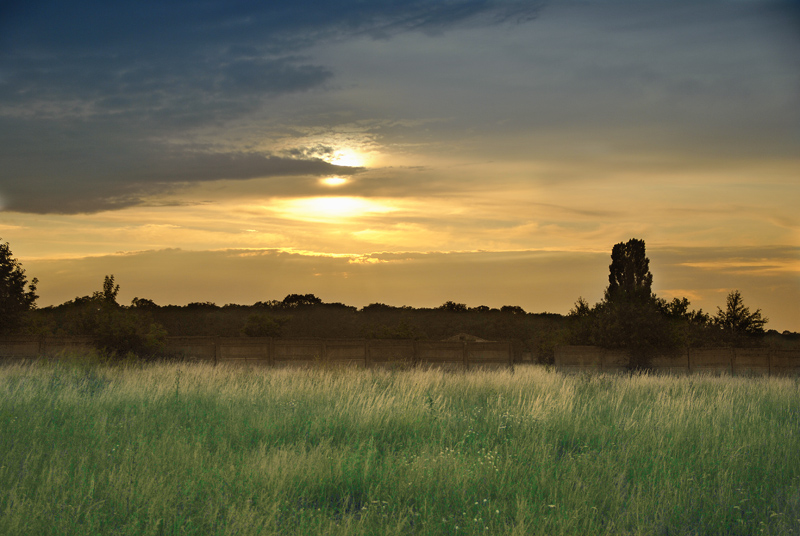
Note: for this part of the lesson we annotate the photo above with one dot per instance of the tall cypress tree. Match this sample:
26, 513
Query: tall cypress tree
629, 277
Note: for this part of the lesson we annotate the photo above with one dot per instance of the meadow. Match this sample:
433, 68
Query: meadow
184, 448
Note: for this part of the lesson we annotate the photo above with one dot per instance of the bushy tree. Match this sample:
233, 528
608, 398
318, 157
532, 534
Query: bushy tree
15, 298
453, 307
117, 330
143, 303
737, 319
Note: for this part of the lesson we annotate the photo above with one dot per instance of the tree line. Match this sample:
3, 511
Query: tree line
630, 316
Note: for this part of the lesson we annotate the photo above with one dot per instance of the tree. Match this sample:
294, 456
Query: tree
453, 307
300, 300
143, 303
15, 300
109, 293
678, 309
630, 316
737, 319
629, 277
118, 331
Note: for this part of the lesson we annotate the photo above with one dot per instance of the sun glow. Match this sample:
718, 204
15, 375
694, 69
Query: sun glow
347, 157
333, 181
331, 208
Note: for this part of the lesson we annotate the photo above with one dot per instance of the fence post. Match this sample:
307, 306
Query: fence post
769, 362
271, 352
465, 354
217, 351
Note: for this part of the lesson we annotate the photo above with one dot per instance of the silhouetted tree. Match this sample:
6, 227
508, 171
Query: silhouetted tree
300, 300
737, 319
453, 307
15, 300
629, 277
581, 309
269, 304
377, 307
513, 309
117, 330
630, 315
205, 306
143, 303
109, 293
678, 309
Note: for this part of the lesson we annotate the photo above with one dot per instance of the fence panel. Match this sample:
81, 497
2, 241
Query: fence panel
785, 362
390, 353
613, 361
19, 348
579, 358
751, 361
737, 361
446, 355
670, 362
243, 351
711, 360
56, 347
298, 353
192, 348
489, 354
351, 353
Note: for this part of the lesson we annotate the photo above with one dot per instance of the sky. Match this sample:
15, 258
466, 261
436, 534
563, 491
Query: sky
487, 152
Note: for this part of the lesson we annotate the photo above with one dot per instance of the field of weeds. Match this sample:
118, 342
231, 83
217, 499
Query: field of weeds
193, 449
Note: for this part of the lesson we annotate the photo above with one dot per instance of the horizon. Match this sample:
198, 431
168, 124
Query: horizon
487, 153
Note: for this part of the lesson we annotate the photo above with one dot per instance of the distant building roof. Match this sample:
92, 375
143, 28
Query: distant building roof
464, 337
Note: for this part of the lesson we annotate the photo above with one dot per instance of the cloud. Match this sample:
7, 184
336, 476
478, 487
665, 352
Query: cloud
93, 96
92, 185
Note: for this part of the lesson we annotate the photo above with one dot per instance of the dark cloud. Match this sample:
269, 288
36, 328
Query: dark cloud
191, 88
86, 87
148, 56
93, 181
278, 25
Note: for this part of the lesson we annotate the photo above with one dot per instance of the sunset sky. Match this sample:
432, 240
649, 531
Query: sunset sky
486, 152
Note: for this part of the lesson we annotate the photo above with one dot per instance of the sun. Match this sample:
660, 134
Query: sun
333, 181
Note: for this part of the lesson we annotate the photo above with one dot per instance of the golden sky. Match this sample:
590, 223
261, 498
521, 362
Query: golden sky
490, 153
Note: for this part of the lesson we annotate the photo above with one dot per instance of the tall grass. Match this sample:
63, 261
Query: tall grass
193, 449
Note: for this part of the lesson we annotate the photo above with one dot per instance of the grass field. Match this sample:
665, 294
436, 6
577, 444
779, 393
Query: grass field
193, 449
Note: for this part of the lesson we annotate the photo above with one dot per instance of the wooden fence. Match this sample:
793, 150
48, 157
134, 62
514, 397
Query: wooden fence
292, 352
735, 361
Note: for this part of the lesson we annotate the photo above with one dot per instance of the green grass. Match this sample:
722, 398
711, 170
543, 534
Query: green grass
193, 449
